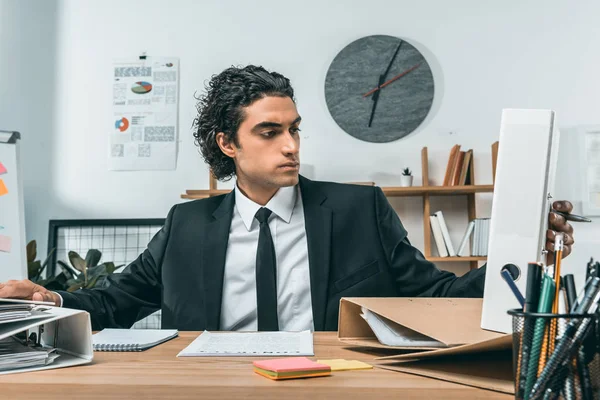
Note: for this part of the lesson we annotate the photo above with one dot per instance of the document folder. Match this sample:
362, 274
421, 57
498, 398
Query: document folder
68, 331
453, 322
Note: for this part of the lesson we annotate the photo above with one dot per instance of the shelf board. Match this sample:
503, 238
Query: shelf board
436, 190
456, 259
202, 194
391, 191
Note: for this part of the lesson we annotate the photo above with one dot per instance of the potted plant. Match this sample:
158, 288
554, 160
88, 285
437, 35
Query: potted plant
81, 274
406, 179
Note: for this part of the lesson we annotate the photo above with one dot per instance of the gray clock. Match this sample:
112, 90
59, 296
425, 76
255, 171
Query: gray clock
379, 88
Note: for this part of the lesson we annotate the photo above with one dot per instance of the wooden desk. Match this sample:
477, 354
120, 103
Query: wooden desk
158, 374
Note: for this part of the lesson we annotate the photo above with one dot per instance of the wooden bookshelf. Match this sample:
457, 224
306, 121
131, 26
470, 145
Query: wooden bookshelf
425, 190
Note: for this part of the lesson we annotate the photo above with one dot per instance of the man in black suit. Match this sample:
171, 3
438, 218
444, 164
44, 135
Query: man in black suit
279, 251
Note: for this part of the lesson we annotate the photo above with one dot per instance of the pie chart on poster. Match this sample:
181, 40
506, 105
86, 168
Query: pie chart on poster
141, 87
122, 124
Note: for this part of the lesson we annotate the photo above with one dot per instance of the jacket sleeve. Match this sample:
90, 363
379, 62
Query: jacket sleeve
413, 274
124, 295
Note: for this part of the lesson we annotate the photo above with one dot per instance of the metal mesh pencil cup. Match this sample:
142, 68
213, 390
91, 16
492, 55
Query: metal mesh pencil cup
556, 356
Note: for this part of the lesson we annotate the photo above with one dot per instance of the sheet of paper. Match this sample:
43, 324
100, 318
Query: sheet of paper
5, 243
392, 334
3, 189
145, 103
2, 169
250, 344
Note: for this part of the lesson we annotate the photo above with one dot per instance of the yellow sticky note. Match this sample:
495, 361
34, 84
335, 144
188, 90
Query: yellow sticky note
3, 189
345, 365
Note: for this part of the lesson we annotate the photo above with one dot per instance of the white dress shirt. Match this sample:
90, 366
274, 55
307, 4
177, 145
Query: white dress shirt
294, 303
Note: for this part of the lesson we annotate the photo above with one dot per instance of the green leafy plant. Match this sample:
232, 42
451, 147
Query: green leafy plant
36, 267
406, 172
80, 274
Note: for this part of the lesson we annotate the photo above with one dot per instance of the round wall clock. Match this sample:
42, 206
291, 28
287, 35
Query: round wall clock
379, 88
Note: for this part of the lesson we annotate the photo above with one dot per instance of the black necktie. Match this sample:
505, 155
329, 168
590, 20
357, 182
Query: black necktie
266, 275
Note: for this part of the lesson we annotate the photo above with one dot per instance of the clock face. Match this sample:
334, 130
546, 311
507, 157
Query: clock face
379, 88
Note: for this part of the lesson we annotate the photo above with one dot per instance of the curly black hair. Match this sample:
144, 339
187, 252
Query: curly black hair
220, 109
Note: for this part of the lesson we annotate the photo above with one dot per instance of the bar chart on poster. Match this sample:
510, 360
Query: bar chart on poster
13, 262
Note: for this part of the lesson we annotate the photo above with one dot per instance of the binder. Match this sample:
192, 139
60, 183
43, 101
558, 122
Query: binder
472, 356
67, 330
527, 157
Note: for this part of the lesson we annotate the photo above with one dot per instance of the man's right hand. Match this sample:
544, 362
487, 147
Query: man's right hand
27, 290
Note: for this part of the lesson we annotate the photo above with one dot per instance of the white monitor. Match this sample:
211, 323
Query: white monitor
524, 183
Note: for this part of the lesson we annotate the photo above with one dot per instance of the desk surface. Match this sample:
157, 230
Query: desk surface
158, 374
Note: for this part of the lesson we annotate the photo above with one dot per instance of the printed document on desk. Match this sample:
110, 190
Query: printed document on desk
250, 344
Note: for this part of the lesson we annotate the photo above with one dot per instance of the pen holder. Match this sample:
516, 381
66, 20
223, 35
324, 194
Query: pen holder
556, 356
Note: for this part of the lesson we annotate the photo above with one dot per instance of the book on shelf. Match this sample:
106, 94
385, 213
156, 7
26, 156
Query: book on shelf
445, 233
465, 239
481, 233
450, 166
438, 236
478, 229
457, 169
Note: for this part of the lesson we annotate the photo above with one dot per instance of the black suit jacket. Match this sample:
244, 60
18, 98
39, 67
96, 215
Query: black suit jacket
357, 247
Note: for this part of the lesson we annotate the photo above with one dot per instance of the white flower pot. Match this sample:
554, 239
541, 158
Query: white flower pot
406, 180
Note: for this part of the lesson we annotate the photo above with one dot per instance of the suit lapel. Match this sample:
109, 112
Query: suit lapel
317, 220
213, 243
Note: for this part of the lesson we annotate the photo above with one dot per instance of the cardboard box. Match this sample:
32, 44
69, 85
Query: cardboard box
473, 356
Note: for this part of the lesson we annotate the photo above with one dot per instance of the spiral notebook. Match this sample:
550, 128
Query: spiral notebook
131, 339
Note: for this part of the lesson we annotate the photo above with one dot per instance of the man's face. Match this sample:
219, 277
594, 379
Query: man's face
269, 141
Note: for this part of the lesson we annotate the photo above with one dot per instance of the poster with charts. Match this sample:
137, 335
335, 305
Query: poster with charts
145, 108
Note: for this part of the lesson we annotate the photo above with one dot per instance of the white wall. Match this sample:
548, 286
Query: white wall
485, 56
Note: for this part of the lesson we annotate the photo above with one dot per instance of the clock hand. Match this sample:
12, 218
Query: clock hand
381, 80
375, 99
392, 80
387, 70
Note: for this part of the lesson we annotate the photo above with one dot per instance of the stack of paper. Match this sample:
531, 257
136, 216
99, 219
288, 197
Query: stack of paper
251, 344
20, 310
9, 312
15, 355
290, 368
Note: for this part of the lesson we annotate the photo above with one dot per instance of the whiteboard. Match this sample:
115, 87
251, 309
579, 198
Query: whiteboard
13, 261
524, 184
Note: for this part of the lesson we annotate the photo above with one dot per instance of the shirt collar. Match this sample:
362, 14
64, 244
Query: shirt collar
281, 204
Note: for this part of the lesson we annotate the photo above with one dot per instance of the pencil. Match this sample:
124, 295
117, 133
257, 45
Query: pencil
558, 250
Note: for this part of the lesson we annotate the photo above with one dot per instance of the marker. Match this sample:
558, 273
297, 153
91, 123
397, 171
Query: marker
511, 283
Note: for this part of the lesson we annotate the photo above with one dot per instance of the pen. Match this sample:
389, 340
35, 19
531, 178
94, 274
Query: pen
532, 296
544, 306
568, 282
572, 217
569, 285
589, 268
511, 283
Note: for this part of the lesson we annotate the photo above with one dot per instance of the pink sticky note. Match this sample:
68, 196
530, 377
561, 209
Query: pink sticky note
5, 242
2, 169
290, 364
3, 189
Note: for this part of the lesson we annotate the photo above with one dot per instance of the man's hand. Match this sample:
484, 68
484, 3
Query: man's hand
27, 290
557, 224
